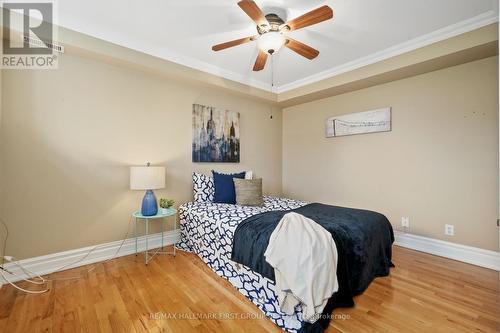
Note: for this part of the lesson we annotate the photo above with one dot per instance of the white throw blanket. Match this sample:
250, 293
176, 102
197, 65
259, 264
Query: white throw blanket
304, 257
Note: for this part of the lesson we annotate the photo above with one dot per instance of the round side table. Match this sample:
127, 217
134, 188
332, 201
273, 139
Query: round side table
139, 217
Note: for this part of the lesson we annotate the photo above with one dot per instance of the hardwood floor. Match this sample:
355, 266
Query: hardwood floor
424, 293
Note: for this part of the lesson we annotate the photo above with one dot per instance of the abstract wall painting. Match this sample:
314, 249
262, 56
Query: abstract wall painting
216, 135
373, 121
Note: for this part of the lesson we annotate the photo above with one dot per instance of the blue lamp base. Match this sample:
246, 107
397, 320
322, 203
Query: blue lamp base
149, 204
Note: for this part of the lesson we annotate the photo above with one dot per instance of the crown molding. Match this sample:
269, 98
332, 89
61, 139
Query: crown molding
211, 69
114, 50
450, 31
247, 83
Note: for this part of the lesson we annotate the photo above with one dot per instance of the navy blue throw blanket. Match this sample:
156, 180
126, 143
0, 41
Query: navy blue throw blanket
364, 245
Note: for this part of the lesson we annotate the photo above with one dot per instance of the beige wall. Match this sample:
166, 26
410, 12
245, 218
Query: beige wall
3, 232
68, 136
438, 165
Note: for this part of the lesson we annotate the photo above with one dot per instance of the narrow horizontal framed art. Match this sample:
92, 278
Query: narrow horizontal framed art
372, 121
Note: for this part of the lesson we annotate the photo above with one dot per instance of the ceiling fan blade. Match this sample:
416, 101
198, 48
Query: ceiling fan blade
252, 10
232, 43
301, 48
260, 63
315, 16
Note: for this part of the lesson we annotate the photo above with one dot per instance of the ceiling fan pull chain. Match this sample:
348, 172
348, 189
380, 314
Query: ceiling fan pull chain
272, 82
272, 73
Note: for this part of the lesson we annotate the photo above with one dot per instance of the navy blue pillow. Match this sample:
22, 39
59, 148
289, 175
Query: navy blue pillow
224, 187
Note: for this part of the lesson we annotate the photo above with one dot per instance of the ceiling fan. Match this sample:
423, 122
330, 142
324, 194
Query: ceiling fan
272, 32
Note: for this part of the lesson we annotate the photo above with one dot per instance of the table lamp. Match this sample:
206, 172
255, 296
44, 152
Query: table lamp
147, 178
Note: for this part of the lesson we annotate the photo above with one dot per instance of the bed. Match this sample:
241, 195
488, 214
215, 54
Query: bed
208, 230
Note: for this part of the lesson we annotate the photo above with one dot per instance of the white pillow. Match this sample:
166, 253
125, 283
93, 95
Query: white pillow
249, 174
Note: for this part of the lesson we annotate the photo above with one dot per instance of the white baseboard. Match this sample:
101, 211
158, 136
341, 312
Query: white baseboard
73, 258
464, 253
69, 259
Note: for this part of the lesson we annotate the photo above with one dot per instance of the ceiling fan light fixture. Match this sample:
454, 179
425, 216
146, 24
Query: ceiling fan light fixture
271, 41
273, 31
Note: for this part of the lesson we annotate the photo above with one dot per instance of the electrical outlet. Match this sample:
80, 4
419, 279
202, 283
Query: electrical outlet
405, 222
449, 229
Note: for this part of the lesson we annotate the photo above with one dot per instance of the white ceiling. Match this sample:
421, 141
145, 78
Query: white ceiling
362, 32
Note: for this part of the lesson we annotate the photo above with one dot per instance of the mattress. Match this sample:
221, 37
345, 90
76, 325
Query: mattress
207, 229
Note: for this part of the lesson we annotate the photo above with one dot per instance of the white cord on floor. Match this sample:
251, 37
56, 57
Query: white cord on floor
42, 280
22, 289
28, 273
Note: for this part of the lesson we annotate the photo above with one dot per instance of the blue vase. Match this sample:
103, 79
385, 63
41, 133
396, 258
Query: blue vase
149, 205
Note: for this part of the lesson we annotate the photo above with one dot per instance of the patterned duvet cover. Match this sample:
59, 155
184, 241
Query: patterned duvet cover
207, 229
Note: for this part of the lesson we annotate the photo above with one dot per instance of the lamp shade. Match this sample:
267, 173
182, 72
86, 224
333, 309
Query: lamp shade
147, 177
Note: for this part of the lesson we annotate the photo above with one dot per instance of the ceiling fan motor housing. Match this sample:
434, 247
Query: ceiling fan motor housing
276, 23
